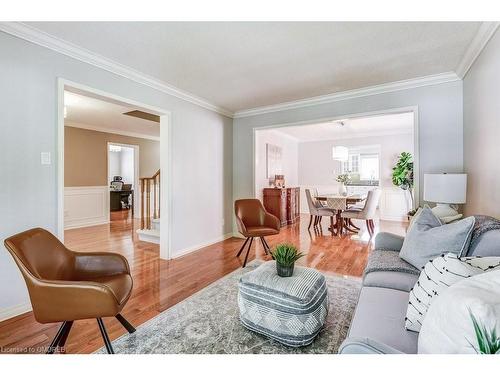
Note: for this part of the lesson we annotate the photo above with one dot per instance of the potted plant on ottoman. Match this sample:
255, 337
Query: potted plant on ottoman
285, 256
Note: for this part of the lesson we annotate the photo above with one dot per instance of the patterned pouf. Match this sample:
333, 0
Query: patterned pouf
290, 310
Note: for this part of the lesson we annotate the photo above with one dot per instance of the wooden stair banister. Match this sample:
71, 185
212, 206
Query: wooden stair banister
150, 185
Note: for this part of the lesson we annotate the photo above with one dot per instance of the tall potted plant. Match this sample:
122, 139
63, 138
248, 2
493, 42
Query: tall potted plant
402, 175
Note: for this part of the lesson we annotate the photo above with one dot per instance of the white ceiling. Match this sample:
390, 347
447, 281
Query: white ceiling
385, 125
92, 113
242, 65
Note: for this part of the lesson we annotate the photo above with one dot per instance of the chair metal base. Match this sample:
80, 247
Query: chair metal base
60, 337
105, 337
63, 332
129, 327
265, 245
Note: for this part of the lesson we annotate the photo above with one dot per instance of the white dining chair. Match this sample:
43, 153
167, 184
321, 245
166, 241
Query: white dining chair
366, 213
317, 210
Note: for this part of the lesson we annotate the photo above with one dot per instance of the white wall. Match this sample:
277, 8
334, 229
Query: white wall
290, 157
318, 170
482, 131
201, 147
114, 160
440, 128
316, 166
127, 165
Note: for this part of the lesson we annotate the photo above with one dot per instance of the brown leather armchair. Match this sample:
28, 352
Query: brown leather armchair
65, 286
254, 221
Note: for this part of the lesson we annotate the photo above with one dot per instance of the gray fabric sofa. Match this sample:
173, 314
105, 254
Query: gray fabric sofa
378, 325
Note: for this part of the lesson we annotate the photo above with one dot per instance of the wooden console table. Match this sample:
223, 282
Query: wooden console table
283, 203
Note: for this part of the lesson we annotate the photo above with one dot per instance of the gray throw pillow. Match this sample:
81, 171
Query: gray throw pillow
428, 238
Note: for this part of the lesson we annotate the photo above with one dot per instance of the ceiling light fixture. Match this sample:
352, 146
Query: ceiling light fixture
340, 153
340, 122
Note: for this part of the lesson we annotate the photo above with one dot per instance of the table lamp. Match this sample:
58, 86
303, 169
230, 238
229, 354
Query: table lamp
445, 189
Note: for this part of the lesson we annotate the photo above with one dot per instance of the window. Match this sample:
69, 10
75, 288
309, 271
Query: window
351, 165
369, 167
354, 163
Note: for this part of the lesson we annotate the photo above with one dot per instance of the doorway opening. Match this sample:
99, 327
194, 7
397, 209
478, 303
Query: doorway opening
123, 177
109, 163
347, 156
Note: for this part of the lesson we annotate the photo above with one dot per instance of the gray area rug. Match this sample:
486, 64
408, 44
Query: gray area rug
208, 323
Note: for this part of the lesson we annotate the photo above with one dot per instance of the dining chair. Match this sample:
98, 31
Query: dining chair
65, 285
319, 203
317, 210
253, 221
366, 213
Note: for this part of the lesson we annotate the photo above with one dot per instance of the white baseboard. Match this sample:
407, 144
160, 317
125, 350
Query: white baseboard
13, 311
393, 218
85, 206
190, 249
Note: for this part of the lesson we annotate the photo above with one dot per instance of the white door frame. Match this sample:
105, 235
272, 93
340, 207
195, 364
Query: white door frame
165, 159
416, 143
136, 148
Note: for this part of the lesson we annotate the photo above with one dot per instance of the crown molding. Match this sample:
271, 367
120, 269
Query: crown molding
43, 39
103, 129
483, 35
351, 94
33, 35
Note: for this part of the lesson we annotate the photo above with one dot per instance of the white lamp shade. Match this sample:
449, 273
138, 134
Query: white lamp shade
340, 153
445, 188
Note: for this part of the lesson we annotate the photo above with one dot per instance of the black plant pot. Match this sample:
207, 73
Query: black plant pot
284, 271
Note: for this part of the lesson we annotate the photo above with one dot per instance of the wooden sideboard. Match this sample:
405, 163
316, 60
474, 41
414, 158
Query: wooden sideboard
283, 203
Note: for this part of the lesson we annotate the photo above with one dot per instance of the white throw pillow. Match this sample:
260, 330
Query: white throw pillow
438, 274
448, 327
450, 219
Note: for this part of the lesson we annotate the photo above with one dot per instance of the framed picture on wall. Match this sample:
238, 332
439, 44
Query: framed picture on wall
274, 156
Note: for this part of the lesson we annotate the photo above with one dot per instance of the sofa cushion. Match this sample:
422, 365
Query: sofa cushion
439, 274
389, 279
388, 241
428, 238
380, 316
449, 325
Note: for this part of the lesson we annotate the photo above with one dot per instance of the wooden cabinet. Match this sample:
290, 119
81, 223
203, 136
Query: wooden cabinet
283, 203
292, 205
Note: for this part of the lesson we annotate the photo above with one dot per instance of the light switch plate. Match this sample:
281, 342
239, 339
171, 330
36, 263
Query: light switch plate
45, 158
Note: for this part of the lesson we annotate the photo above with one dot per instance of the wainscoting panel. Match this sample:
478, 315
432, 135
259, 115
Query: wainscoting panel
394, 204
85, 206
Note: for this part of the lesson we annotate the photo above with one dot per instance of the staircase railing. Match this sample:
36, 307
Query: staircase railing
150, 185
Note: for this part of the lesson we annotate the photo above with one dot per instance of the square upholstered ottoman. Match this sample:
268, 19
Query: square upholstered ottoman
290, 310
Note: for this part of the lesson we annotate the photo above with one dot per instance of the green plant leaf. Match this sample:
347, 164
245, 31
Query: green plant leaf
286, 254
402, 172
488, 341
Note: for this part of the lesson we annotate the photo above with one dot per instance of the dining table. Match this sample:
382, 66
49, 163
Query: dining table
340, 203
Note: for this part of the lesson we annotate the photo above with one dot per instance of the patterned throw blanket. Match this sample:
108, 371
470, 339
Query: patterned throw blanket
482, 225
388, 260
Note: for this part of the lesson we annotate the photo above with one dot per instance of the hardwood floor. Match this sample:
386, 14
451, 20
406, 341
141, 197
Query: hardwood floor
160, 284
